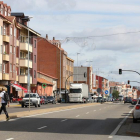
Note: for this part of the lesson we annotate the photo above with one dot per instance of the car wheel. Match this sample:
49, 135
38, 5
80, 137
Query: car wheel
36, 105
22, 106
39, 105
134, 120
25, 105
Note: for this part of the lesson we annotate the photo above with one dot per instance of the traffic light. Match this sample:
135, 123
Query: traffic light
128, 82
120, 71
85, 74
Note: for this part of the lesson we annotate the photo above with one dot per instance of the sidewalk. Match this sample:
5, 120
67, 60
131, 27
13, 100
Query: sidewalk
40, 111
129, 128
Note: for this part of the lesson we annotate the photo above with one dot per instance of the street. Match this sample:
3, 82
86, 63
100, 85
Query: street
93, 122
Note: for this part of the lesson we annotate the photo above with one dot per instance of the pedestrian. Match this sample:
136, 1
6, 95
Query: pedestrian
4, 101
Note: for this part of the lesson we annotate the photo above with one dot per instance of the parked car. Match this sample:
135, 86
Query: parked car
128, 100
42, 100
45, 99
51, 99
34, 100
134, 101
136, 112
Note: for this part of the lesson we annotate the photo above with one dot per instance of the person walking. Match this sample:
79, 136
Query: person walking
4, 101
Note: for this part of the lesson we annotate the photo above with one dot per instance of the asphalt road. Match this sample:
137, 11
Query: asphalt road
95, 122
49, 105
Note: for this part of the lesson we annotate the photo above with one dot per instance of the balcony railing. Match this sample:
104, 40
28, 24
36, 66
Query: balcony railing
6, 57
6, 38
23, 79
24, 63
5, 76
24, 46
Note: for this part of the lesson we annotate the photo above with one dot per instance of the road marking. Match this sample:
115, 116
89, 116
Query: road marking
42, 127
64, 120
10, 139
87, 113
77, 116
94, 110
120, 124
110, 137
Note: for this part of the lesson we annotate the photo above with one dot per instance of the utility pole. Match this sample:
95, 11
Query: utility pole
77, 66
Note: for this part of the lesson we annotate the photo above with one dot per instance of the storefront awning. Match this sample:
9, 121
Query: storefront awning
18, 88
41, 80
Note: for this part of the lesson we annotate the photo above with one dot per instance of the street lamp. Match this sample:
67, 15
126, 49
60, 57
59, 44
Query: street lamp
89, 62
77, 66
28, 79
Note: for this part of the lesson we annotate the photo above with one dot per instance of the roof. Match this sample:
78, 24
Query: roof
41, 80
70, 59
10, 18
17, 14
47, 75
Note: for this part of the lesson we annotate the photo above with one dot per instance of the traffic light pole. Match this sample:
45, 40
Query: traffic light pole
132, 71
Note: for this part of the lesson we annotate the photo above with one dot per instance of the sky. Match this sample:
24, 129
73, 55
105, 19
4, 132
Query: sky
82, 21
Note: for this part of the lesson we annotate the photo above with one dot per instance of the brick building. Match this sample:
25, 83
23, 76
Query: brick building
48, 60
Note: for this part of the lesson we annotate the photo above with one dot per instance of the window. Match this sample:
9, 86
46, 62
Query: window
11, 31
10, 67
35, 58
15, 32
13, 68
34, 74
3, 68
4, 30
0, 67
4, 49
1, 49
1, 30
35, 43
10, 49
5, 13
1, 11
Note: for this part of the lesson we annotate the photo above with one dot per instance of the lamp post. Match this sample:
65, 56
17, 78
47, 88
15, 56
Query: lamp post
77, 66
28, 79
60, 75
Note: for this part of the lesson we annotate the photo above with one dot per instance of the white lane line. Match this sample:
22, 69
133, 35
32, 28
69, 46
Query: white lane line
110, 137
94, 110
64, 120
120, 124
77, 116
87, 113
42, 127
10, 139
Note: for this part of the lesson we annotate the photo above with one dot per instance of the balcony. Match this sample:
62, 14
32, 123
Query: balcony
23, 79
6, 38
24, 47
24, 63
6, 57
5, 76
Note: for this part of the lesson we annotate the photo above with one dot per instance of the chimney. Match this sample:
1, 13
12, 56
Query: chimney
53, 38
47, 36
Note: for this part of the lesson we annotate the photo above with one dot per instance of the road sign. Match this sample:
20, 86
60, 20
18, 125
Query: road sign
44, 85
106, 92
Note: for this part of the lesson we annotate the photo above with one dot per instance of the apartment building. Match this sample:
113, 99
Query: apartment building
9, 46
80, 78
22, 20
48, 60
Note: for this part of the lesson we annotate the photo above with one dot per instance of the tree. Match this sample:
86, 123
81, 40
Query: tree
115, 94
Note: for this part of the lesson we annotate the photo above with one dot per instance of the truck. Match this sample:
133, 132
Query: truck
78, 92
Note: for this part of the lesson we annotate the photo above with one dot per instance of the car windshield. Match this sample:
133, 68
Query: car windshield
31, 96
50, 97
75, 90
